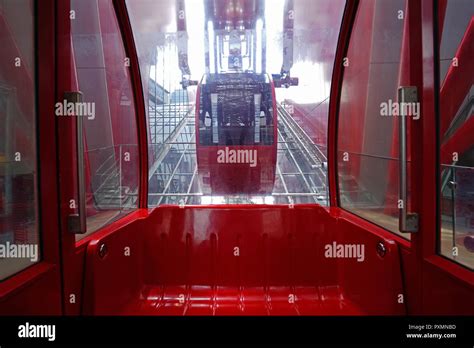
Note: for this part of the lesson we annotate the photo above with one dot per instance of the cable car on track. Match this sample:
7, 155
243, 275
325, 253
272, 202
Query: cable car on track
236, 130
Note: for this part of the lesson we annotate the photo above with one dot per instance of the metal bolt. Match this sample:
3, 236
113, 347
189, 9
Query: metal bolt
102, 250
381, 249
453, 185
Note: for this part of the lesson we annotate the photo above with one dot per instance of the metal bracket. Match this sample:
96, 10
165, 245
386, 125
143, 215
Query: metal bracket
411, 223
74, 224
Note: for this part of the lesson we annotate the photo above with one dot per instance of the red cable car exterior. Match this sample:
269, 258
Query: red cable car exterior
233, 157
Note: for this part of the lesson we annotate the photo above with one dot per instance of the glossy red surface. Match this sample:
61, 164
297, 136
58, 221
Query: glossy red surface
240, 260
237, 178
67, 168
205, 300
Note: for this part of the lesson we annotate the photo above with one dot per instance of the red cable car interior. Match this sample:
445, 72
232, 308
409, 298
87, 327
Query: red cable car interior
236, 157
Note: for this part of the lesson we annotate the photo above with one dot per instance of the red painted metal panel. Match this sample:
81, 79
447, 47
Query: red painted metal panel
35, 291
362, 280
67, 172
112, 289
211, 260
232, 178
74, 255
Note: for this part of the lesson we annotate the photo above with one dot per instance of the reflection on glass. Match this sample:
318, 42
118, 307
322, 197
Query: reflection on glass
110, 134
456, 240
457, 213
368, 138
365, 199
19, 234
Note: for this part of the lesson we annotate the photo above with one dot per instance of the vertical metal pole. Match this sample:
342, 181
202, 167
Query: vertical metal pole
453, 204
402, 167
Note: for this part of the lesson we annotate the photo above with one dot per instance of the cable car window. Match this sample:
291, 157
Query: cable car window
456, 100
240, 106
237, 98
368, 129
19, 229
111, 151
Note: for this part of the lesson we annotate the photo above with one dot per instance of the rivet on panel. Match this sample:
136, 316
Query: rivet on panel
102, 250
381, 249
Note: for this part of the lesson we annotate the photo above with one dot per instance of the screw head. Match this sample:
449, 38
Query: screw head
453, 185
469, 243
381, 249
102, 250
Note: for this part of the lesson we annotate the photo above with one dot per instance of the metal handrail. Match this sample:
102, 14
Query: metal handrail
77, 222
408, 222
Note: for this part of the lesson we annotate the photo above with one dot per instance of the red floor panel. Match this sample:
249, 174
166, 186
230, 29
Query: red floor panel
203, 261
204, 300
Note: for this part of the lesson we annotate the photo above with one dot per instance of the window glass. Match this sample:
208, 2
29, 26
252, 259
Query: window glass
236, 97
234, 138
19, 234
456, 100
368, 121
110, 133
